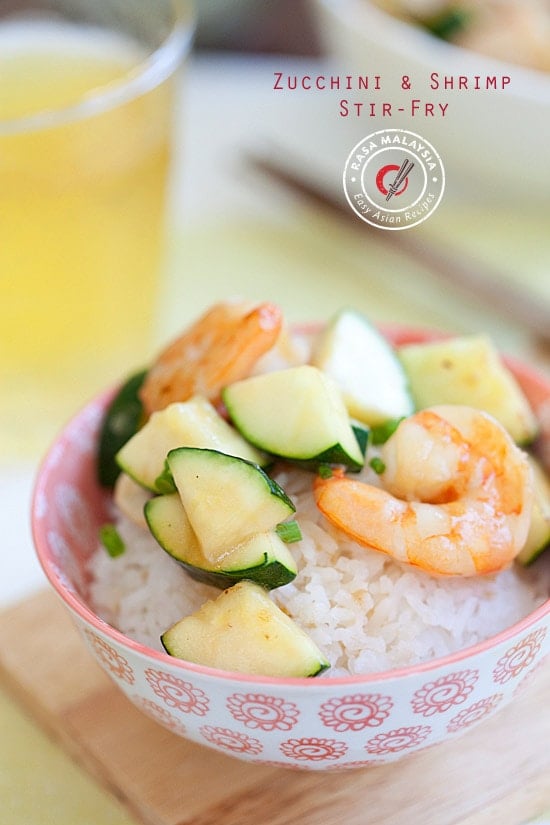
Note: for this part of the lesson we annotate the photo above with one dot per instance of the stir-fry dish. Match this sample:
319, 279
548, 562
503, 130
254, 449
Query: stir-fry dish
516, 31
359, 505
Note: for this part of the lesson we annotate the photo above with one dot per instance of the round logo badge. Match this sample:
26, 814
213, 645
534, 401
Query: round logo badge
394, 179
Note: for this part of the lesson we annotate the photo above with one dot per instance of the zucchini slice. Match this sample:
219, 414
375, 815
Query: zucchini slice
538, 538
468, 370
121, 421
193, 423
366, 368
297, 414
244, 631
226, 499
264, 558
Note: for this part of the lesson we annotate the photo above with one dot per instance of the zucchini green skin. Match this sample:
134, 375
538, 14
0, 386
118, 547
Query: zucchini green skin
362, 435
383, 432
227, 499
169, 525
272, 487
191, 423
268, 573
121, 421
334, 455
297, 415
244, 631
528, 557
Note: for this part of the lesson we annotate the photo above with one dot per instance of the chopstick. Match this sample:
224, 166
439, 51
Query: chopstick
406, 167
476, 279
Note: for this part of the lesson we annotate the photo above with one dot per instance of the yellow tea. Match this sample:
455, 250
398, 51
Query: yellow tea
83, 171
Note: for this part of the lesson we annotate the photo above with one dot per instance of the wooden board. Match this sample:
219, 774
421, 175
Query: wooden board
497, 773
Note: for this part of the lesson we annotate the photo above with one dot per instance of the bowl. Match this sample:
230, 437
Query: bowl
314, 724
492, 142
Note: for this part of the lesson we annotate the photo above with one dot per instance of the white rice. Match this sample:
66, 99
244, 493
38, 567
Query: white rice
366, 612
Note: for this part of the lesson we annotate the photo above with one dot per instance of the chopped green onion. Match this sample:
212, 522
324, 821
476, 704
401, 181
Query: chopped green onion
164, 483
289, 531
377, 465
447, 23
325, 470
382, 432
111, 540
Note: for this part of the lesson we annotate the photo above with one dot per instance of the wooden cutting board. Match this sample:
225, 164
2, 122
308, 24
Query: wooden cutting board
497, 773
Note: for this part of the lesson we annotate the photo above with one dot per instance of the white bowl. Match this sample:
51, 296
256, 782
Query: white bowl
314, 724
493, 143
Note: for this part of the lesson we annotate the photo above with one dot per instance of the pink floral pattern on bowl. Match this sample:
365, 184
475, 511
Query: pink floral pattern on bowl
110, 659
530, 675
474, 713
160, 714
230, 740
356, 712
314, 749
399, 739
177, 693
329, 723
265, 712
449, 690
519, 657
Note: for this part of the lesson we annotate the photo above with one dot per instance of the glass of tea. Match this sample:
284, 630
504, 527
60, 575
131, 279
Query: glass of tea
88, 91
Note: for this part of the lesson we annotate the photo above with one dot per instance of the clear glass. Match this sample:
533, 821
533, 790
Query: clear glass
88, 90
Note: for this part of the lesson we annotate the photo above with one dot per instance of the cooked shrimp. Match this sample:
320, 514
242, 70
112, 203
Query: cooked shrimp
218, 349
456, 498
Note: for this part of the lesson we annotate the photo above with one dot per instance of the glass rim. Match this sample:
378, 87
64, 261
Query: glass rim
146, 75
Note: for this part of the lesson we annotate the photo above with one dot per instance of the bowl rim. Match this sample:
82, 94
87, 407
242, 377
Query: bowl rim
79, 607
